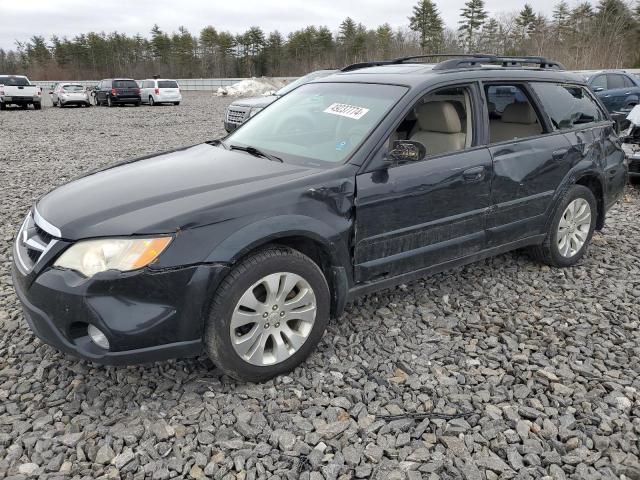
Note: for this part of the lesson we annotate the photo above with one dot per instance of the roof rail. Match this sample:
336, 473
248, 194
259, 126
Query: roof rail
505, 61
456, 60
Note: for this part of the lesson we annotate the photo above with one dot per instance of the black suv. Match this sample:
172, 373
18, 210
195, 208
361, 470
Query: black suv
244, 247
117, 91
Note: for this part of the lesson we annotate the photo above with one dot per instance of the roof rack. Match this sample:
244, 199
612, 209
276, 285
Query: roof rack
457, 60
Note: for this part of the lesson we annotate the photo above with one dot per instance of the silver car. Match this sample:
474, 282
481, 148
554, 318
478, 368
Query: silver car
70, 94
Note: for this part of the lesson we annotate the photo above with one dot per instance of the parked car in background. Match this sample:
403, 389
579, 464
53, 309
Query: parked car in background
244, 247
242, 110
618, 90
158, 90
17, 90
65, 94
631, 144
117, 91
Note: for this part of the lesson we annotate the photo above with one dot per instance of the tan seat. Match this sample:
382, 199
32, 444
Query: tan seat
440, 129
518, 120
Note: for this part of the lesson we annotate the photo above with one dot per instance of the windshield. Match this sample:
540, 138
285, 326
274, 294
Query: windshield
73, 88
318, 122
14, 81
302, 80
167, 84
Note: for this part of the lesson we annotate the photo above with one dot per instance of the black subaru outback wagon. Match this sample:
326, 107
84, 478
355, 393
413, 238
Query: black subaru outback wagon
244, 247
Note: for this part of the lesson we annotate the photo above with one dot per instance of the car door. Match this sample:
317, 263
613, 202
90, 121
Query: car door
631, 94
529, 162
591, 134
616, 93
417, 215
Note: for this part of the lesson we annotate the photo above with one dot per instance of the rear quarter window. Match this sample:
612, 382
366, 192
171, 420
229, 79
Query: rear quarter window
568, 106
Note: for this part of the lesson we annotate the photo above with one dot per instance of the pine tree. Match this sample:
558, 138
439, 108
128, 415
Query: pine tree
473, 17
526, 20
561, 19
491, 37
427, 22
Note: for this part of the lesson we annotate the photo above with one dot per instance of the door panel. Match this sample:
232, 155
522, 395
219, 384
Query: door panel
421, 214
526, 175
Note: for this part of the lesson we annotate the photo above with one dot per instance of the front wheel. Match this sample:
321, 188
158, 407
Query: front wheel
268, 314
37, 106
152, 102
570, 230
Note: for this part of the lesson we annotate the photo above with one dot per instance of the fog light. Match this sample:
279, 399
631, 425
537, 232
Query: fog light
98, 337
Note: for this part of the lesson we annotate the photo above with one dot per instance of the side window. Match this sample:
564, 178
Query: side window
615, 80
628, 83
511, 115
441, 121
148, 84
568, 106
599, 82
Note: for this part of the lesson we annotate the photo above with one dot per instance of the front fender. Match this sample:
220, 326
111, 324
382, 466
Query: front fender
248, 238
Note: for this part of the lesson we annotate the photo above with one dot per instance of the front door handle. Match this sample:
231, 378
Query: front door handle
474, 174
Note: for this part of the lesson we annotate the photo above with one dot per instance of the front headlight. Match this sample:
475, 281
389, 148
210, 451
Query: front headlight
89, 257
255, 110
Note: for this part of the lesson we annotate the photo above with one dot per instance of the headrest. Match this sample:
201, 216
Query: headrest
519, 112
438, 117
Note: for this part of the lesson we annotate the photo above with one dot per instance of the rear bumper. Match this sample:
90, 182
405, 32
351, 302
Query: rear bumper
167, 98
20, 100
634, 167
146, 316
125, 100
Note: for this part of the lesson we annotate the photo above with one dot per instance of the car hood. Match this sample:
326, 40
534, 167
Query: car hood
255, 101
162, 193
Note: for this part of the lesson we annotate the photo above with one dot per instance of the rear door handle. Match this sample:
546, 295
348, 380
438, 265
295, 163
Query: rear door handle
474, 174
560, 154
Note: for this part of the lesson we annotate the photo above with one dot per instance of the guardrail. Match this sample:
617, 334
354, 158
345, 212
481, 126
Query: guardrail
202, 84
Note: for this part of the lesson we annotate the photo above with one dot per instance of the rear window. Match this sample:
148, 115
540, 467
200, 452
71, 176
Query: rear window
568, 106
125, 84
14, 81
73, 88
167, 84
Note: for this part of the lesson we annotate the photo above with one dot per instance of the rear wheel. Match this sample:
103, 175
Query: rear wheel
268, 314
3, 106
110, 102
570, 230
37, 106
176, 103
152, 102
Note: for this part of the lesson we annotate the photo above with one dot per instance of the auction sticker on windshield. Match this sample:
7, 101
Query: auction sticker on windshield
344, 110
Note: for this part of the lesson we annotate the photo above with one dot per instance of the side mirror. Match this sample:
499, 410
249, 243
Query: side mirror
407, 151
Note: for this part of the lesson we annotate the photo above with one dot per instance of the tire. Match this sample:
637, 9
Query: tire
152, 102
24, 106
550, 250
3, 106
314, 292
137, 104
37, 106
176, 103
110, 102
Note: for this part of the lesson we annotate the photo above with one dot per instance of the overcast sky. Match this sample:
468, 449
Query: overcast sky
21, 19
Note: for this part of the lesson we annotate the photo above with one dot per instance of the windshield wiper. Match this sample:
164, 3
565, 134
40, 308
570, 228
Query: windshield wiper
256, 152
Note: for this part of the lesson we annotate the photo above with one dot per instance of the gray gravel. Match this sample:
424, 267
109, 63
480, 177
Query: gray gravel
536, 368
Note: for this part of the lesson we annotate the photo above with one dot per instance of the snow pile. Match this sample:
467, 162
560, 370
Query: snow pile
252, 87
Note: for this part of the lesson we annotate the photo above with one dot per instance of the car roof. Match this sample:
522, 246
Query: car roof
421, 74
158, 79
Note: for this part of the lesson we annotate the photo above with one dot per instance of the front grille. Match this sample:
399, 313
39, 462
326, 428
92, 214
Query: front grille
235, 115
32, 243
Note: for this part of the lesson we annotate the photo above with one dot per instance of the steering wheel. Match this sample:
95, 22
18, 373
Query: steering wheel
298, 123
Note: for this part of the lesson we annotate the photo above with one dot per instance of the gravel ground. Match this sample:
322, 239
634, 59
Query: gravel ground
513, 370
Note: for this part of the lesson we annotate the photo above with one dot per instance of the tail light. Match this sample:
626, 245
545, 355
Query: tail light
137, 91
157, 91
1, 92
62, 90
114, 92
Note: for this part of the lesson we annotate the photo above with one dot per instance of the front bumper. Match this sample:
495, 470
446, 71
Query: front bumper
146, 315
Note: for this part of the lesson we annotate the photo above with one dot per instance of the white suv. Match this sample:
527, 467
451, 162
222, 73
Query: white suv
154, 91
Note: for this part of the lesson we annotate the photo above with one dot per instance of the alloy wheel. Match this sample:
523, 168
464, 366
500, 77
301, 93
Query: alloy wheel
573, 228
273, 319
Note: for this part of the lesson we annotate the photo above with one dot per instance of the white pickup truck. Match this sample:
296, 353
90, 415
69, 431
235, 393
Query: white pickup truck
17, 90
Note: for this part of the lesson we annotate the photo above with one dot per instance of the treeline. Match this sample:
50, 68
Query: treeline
582, 36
